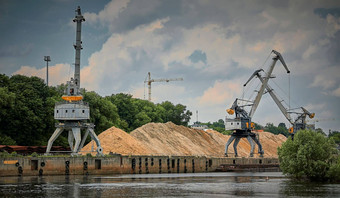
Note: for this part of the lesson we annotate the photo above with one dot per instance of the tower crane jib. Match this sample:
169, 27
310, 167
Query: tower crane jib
149, 81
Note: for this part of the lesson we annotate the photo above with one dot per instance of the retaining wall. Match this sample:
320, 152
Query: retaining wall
118, 164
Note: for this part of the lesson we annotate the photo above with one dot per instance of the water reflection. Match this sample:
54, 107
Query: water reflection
316, 189
165, 185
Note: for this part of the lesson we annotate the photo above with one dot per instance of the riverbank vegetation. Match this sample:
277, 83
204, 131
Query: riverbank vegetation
311, 155
27, 111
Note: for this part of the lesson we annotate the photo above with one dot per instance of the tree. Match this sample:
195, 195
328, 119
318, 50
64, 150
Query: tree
319, 130
282, 125
126, 109
217, 126
176, 113
281, 129
6, 140
309, 155
103, 113
29, 114
335, 135
258, 126
27, 111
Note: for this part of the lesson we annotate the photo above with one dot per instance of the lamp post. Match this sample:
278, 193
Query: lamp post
47, 59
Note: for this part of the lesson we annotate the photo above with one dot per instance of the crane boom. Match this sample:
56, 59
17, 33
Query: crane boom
277, 101
300, 121
149, 81
265, 81
165, 80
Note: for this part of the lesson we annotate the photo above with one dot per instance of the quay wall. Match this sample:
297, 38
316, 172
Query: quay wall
118, 164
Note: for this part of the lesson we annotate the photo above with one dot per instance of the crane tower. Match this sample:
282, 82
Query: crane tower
149, 81
73, 112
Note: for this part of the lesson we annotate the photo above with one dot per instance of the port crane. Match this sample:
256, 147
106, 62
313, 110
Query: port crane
73, 113
149, 81
297, 124
242, 123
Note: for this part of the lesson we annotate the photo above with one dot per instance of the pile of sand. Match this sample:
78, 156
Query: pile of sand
171, 139
115, 140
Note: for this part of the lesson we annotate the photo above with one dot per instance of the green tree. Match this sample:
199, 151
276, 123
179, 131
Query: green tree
281, 129
176, 113
309, 155
27, 118
103, 113
335, 135
217, 126
6, 140
258, 126
126, 109
27, 111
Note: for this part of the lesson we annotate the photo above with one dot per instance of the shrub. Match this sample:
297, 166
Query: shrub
34, 154
309, 155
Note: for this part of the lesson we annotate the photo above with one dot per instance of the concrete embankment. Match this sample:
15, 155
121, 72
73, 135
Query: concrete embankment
117, 164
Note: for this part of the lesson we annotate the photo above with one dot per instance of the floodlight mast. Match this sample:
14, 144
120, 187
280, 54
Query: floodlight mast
47, 59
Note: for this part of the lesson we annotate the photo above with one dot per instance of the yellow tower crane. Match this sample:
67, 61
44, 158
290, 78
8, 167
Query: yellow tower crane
149, 81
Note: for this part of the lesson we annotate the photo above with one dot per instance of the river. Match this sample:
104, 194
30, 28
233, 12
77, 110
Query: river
247, 184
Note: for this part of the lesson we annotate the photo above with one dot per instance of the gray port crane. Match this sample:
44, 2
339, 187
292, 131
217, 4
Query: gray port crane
149, 81
242, 123
73, 112
298, 123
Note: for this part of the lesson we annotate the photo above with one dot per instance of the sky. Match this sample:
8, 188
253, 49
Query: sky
215, 46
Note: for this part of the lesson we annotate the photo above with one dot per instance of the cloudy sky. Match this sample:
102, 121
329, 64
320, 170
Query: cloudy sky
214, 45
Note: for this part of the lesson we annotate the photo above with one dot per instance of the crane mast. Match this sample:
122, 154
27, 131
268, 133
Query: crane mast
149, 81
78, 19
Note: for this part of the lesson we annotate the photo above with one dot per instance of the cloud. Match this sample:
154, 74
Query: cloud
333, 25
215, 47
56, 73
16, 50
109, 14
221, 93
336, 92
327, 78
122, 56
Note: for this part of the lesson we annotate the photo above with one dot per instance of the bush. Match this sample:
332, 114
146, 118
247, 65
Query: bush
34, 154
334, 171
309, 155
5, 154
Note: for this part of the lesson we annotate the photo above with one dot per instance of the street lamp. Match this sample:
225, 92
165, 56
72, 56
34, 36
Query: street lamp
47, 59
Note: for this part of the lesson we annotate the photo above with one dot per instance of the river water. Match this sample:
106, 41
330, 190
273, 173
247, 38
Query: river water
264, 184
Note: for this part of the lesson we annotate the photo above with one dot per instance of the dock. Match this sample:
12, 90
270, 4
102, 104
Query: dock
132, 164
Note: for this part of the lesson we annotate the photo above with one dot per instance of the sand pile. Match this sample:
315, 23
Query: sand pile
171, 139
116, 140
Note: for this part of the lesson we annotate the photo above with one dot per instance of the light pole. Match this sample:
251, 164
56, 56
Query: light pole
47, 59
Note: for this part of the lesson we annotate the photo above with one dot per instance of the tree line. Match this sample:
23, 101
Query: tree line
27, 111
